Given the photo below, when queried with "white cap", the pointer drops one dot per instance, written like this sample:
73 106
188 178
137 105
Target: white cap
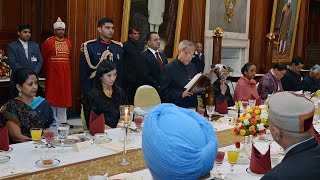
59 24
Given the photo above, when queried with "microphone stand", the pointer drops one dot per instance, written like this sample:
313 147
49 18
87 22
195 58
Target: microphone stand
235 96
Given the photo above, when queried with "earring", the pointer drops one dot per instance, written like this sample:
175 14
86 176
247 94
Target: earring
19 94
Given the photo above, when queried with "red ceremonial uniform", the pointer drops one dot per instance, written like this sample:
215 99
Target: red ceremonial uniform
56 59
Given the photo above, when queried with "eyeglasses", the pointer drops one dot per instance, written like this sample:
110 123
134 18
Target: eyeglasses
189 54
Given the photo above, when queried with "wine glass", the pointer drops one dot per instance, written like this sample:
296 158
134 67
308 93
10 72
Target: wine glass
63 132
138 119
219 160
36 136
210 111
48 136
232 159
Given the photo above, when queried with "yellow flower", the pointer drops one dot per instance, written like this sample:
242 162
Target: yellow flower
257 111
242 132
237 105
264 121
242 118
251 128
258 117
250 110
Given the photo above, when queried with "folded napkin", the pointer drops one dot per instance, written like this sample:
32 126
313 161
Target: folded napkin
221 106
127 176
316 134
4 139
96 123
260 164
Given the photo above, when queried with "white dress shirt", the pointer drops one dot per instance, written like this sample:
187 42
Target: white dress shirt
25 47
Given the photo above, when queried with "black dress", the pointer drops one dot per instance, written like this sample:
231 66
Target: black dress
95 100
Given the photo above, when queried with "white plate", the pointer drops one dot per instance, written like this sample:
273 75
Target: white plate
252 173
55 163
10 149
4 159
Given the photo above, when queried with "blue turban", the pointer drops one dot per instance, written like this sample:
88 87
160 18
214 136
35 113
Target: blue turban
178 143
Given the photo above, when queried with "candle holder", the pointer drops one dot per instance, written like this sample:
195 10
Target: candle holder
127 112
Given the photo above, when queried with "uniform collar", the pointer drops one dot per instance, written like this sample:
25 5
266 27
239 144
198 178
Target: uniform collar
105 42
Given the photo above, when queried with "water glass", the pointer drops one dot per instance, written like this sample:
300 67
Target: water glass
63 132
48 136
244 105
138 119
210 111
252 103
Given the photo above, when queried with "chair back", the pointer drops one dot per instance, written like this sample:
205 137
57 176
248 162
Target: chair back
146 96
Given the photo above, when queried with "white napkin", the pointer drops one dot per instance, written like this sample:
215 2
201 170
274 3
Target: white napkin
127 176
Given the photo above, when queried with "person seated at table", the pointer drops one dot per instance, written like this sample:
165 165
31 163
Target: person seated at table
311 82
186 145
290 121
246 86
222 96
292 78
26 111
271 82
105 97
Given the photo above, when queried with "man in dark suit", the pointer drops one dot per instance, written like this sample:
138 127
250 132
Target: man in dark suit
176 75
290 121
198 59
132 50
154 61
292 78
23 53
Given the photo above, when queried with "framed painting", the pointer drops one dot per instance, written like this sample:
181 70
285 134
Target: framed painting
162 16
284 21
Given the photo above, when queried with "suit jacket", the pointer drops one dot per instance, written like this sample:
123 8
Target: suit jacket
301 162
291 81
268 84
198 61
174 77
309 84
17 58
152 69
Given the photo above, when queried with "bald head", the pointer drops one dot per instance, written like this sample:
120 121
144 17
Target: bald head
199 47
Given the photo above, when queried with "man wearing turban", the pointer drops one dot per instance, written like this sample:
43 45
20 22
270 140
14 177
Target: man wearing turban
56 56
178 143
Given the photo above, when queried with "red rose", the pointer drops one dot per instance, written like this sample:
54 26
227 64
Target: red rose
236 130
237 145
262 131
253 133
253 115
242 126
253 121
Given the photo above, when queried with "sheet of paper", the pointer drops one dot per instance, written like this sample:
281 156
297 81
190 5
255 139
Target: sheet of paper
193 81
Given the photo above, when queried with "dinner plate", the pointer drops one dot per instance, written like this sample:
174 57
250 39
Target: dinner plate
55 163
252 173
10 149
4 159
67 142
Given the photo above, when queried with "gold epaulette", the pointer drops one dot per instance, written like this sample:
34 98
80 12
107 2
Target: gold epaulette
85 44
117 42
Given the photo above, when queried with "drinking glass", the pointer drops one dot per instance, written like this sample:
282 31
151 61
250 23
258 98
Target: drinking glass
219 160
232 159
63 132
48 136
244 105
127 112
252 103
36 136
210 111
138 119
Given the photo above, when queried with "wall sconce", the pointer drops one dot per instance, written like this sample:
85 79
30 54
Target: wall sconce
230 8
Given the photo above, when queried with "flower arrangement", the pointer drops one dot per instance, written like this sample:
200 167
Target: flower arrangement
4 67
253 121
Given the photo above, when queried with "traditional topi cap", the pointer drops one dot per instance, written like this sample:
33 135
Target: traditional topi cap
59 24
178 143
291 112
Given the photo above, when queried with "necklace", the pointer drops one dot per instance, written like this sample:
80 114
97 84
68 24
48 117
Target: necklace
108 91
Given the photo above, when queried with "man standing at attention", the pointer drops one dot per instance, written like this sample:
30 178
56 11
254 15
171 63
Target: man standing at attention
132 50
95 51
153 60
23 53
56 52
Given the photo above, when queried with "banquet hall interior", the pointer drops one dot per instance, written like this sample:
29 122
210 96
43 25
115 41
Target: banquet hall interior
273 37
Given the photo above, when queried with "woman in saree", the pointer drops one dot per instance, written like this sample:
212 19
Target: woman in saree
246 86
25 111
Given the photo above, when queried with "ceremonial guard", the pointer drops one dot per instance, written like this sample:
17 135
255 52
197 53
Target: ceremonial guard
56 55
93 52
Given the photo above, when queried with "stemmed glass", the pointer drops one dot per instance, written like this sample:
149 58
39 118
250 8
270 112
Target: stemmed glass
138 119
63 132
232 159
219 161
210 111
36 136
127 112
48 136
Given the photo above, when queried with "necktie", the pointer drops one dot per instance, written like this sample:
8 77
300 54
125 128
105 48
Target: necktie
159 60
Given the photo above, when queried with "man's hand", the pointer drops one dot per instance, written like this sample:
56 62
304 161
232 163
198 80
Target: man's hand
223 87
186 93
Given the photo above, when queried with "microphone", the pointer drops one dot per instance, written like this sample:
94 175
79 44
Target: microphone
216 71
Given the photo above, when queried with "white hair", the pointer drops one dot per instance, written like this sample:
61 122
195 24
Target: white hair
184 44
315 68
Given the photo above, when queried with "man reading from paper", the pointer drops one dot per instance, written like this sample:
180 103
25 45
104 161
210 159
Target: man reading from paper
176 75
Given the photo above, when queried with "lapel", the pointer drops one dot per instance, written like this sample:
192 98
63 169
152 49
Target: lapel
30 48
21 49
153 59
302 147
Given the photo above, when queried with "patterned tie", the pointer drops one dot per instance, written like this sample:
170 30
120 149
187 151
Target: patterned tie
159 60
